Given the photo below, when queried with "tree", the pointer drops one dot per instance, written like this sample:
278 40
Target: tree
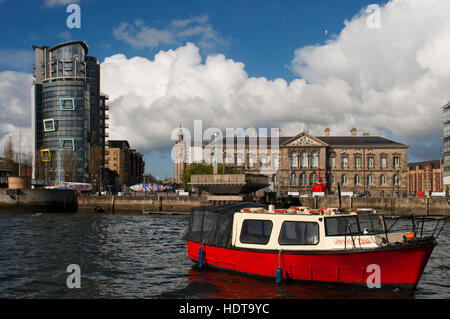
95 164
8 150
204 169
8 154
69 164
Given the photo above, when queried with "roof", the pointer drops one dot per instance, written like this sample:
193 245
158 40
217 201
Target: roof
433 163
361 141
83 44
123 144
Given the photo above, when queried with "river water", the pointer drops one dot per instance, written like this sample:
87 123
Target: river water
144 256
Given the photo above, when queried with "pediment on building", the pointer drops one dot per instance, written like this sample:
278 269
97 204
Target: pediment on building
304 139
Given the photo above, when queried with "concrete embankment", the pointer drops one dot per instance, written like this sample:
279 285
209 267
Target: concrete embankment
37 201
140 204
182 205
387 205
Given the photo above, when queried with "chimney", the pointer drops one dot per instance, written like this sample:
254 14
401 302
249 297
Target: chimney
327 131
353 132
365 134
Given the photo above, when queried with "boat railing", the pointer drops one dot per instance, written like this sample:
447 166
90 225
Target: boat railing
354 230
417 225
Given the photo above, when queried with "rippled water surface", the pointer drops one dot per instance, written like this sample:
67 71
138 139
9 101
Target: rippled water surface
144 256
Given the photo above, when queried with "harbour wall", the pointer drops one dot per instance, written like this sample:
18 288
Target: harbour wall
183 204
37 201
387 205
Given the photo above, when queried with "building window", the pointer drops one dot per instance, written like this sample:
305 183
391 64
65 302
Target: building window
67 144
303 179
45 155
357 162
312 179
293 179
251 161
49 125
383 162
370 180
304 159
293 159
299 233
396 162
345 162
330 179
67 104
370 162
314 159
344 179
331 161
263 161
382 180
357 180
396 180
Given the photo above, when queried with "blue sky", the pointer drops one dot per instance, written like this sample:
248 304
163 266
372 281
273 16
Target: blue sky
323 43
261 34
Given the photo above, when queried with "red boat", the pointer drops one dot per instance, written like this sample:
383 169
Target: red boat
303 244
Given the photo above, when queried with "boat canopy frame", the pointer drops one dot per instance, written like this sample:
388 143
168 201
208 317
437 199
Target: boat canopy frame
213 225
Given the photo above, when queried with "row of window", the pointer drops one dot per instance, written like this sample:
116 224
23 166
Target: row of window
294 179
304 160
292 233
255 231
370 162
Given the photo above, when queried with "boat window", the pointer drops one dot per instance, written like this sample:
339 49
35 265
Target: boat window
299 233
370 224
256 231
341 226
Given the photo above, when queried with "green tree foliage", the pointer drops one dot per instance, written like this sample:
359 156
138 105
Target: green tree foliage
204 169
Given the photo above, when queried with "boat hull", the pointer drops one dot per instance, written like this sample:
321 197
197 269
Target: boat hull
390 266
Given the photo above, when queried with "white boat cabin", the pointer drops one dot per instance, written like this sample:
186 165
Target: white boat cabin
301 228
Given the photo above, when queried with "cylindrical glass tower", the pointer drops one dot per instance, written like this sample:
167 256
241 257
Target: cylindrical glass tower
62 116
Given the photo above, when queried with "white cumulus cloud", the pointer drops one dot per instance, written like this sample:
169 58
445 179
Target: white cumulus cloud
389 81
141 36
15 109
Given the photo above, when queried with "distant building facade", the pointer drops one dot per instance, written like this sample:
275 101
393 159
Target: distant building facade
125 161
446 141
358 163
68 114
425 177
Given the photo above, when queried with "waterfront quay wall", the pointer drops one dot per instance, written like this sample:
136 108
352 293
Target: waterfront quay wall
141 204
183 204
37 200
386 205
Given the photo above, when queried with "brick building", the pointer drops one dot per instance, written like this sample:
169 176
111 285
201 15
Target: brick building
425 177
359 163
125 161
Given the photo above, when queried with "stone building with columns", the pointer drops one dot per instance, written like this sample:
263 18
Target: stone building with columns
359 164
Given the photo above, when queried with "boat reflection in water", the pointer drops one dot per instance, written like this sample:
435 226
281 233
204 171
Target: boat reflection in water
212 283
